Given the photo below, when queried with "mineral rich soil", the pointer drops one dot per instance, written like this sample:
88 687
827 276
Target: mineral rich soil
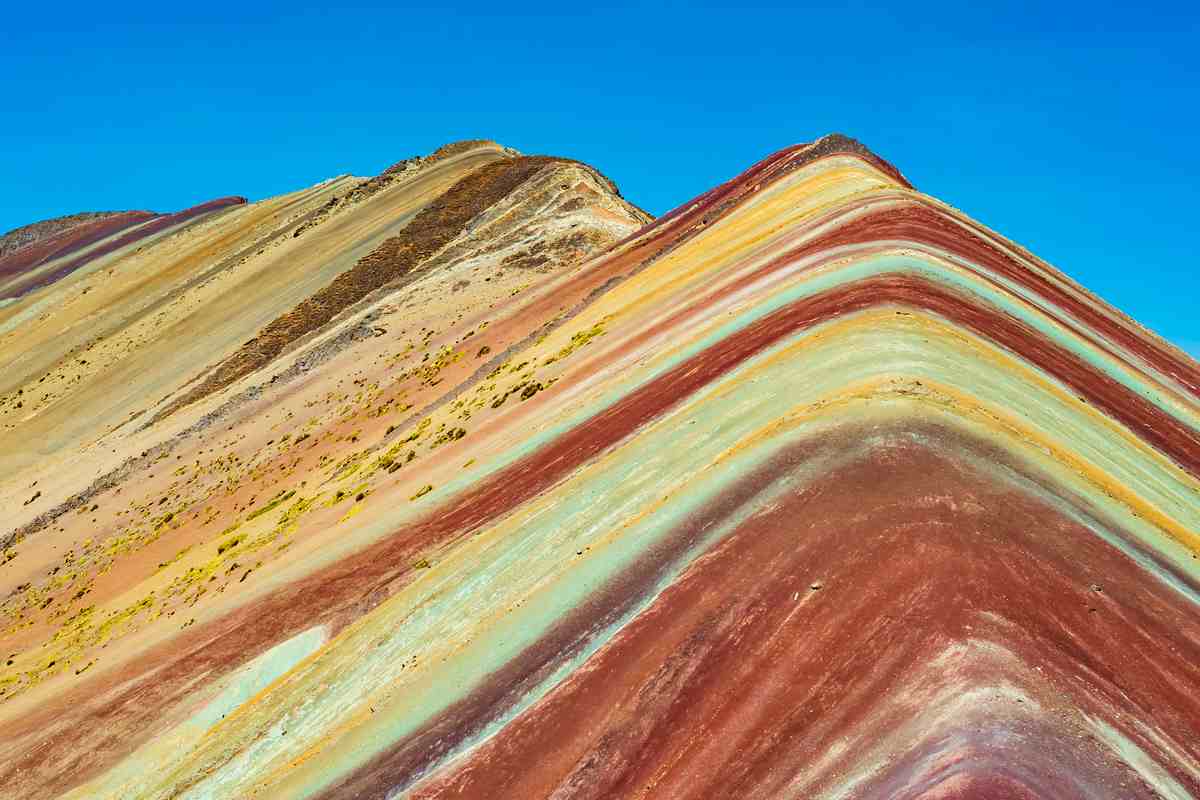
34 232
42 243
471 480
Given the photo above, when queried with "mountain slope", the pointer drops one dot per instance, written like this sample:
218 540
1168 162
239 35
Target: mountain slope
811 488
35 232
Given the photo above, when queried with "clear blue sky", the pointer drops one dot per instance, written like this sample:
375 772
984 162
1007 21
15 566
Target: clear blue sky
1071 127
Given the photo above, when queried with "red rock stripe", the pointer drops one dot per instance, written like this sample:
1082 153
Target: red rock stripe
915 221
150 228
68 242
114 725
729 686
659 237
1173 437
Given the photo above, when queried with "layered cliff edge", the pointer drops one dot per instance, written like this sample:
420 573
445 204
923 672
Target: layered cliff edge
470 480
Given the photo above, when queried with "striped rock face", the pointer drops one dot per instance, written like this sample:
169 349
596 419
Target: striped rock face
468 483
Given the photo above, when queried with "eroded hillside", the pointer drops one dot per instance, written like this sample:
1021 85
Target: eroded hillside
469 480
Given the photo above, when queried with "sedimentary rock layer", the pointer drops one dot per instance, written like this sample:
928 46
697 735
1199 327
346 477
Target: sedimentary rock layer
432 229
61 240
37 232
78 246
811 488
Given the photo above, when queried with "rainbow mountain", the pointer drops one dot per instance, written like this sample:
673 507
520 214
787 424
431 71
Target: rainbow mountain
471 480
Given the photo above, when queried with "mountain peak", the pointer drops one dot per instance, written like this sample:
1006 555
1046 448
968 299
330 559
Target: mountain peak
471 480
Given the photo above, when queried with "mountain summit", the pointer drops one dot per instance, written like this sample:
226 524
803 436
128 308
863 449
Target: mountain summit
471 480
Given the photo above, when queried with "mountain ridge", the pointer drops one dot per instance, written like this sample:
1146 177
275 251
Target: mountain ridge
812 487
